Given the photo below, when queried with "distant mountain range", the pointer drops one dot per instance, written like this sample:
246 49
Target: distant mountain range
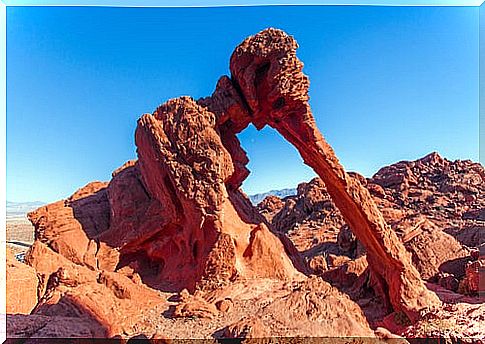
17 210
255 199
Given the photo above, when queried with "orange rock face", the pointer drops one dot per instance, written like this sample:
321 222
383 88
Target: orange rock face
67 226
433 206
270 206
113 302
21 288
212 233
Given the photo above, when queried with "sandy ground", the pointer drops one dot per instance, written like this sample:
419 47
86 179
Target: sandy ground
20 234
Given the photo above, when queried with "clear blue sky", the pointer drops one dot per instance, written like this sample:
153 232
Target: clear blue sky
387 84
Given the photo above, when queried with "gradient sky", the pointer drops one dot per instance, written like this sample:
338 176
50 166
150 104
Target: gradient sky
387 84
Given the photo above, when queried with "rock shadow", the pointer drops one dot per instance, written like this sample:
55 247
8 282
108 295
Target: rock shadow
456 266
451 297
92 212
470 236
64 322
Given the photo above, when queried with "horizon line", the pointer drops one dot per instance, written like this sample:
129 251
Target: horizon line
272 188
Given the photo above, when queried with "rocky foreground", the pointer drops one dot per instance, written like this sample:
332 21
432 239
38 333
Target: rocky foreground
172 248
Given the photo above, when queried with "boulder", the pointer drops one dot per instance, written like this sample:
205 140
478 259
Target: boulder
248 327
21 286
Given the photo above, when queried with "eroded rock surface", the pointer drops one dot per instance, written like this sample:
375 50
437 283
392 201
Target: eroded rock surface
429 206
21 286
215 233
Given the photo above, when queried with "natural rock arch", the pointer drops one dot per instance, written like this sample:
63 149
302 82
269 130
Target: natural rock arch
177 216
268 87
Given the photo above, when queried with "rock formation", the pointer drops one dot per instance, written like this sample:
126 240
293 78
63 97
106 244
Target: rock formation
270 81
474 281
176 221
21 287
112 302
432 204
209 223
308 314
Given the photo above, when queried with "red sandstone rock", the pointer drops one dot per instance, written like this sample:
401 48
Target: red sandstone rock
474 281
112 301
212 233
224 305
318 265
270 206
312 207
195 306
436 239
462 322
251 327
41 326
317 309
21 287
68 226
46 262
310 308
176 218
433 250
347 273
